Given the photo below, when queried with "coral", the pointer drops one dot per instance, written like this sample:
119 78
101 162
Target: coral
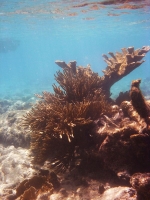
141 182
31 188
61 123
76 83
138 100
120 65
66 115
124 147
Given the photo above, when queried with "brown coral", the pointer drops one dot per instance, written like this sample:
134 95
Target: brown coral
61 122
66 115
36 185
120 65
76 83
138 100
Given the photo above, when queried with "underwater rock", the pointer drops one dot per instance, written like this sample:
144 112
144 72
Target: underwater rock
119 193
118 66
122 138
21 105
12 131
15 167
31 188
4 105
141 182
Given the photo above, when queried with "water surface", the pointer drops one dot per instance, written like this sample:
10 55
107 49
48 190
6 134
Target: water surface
35 33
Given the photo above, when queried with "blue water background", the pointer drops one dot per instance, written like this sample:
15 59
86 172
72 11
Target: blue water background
33 34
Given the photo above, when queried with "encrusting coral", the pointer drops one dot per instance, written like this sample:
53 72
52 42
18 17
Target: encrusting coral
61 123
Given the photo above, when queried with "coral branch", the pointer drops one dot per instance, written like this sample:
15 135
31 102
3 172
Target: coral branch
120 65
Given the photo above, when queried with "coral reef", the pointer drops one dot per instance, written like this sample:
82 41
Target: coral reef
78 127
61 123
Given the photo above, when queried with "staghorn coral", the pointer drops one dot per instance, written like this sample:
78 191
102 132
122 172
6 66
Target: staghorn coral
66 115
76 83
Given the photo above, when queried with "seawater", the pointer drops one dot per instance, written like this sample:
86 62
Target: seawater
35 33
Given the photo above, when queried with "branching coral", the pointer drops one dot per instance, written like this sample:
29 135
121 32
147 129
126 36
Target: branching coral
121 64
66 115
76 83
61 122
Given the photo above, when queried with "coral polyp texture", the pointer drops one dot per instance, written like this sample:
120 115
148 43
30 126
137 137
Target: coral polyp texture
62 122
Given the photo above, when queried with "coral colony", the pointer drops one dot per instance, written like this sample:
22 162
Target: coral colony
81 97
79 126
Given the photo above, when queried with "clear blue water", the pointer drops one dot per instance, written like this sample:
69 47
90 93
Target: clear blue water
35 33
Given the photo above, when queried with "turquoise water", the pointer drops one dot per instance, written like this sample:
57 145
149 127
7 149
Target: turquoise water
35 33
